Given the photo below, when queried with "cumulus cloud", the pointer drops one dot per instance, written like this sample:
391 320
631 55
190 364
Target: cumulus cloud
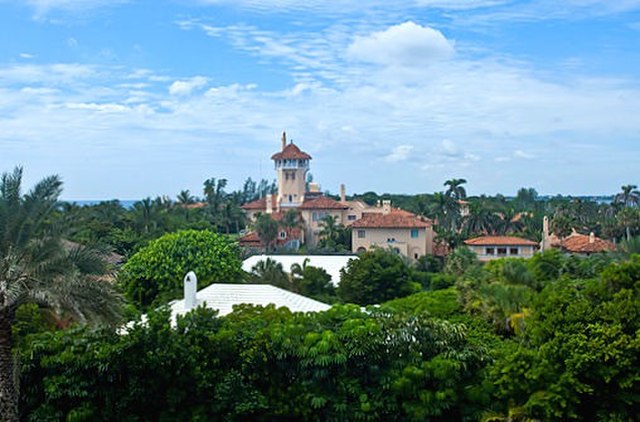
406 44
399 153
187 86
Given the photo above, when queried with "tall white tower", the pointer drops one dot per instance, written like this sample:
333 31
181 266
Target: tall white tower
292 166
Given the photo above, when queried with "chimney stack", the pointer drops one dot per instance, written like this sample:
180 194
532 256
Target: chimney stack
190 290
592 237
343 193
386 206
284 140
269 203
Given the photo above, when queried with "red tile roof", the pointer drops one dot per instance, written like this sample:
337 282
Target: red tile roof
260 204
291 152
499 241
252 239
397 218
581 243
322 203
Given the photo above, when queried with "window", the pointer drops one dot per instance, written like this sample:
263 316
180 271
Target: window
351 217
318 216
513 251
502 251
293 176
490 251
361 234
415 256
391 240
283 235
286 176
415 233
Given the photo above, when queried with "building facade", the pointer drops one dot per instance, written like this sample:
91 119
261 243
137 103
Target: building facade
488 248
383 226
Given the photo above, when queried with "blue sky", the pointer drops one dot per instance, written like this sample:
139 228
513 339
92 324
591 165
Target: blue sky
127 99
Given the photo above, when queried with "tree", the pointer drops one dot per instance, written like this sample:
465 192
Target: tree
156 271
375 277
445 210
629 196
334 236
185 197
269 271
455 189
267 229
460 260
36 268
481 220
312 281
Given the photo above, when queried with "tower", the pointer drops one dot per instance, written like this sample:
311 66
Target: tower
291 166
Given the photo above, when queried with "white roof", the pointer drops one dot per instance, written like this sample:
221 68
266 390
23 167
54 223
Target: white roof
332 264
223 296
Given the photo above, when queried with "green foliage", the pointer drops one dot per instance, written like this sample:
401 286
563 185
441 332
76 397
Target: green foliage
258 364
460 260
579 355
269 271
158 269
313 282
377 276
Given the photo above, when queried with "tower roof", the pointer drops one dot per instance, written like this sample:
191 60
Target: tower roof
291 152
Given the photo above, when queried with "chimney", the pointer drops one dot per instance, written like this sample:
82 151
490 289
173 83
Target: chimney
592 238
386 206
190 290
343 193
284 140
269 202
545 243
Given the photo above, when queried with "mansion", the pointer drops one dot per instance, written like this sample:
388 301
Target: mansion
380 225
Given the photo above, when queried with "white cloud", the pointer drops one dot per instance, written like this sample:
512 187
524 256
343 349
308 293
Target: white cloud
26 56
187 86
406 44
522 154
399 153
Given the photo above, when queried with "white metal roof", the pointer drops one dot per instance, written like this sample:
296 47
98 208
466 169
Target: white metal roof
223 296
332 264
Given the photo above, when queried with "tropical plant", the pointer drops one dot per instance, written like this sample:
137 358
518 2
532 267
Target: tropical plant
629 196
270 271
36 268
376 276
333 235
455 189
267 229
157 270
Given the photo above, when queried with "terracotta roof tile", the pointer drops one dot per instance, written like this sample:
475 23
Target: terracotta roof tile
499 241
581 243
260 204
291 152
395 219
322 203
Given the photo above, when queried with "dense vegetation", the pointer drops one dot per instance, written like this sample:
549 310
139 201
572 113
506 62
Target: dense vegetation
555 337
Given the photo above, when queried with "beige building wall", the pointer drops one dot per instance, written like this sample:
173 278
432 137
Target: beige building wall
488 253
313 222
291 184
396 238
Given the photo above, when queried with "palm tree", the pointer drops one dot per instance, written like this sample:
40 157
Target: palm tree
481 220
509 222
446 210
185 197
267 229
455 189
629 196
36 268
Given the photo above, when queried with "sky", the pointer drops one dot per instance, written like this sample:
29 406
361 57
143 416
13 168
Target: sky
128 99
